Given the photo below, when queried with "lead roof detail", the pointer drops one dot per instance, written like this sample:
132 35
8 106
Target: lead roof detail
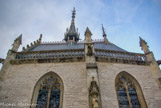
79 45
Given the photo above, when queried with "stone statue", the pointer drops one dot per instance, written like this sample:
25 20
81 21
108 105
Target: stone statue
90 52
95 101
94 94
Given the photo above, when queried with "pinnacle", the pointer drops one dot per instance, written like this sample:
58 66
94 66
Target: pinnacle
88 31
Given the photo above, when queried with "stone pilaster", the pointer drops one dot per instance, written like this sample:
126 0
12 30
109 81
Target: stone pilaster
92 72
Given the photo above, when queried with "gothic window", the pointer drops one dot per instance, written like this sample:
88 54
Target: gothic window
48 92
129 93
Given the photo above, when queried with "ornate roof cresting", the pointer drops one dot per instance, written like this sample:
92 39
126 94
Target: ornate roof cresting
32 45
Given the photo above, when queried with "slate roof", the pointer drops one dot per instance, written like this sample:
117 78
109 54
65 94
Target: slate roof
65 46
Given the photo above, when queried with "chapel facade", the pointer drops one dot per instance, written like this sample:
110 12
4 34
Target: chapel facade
79 74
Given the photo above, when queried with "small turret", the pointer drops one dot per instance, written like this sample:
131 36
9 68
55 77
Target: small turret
72 34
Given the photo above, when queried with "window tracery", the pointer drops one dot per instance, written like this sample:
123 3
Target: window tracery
129 92
48 92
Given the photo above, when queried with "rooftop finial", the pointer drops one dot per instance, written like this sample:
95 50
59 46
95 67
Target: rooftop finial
104 34
73 14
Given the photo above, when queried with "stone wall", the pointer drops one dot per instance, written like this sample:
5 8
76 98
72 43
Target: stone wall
108 73
21 79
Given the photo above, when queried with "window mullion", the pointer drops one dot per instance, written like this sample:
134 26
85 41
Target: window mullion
48 100
126 87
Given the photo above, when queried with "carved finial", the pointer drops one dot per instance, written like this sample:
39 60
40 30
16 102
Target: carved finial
37 41
73 14
104 35
31 44
34 42
28 46
103 30
23 48
144 45
40 37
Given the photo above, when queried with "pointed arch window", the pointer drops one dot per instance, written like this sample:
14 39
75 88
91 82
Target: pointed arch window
48 92
129 93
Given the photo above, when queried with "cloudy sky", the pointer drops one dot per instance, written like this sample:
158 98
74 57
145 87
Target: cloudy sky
123 20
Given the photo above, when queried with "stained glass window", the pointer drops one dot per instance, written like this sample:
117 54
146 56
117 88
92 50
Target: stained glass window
49 93
126 92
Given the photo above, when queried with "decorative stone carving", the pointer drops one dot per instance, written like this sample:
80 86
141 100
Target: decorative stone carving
35 43
95 102
17 43
94 94
144 46
90 50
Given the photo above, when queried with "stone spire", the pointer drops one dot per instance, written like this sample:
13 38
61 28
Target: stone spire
144 46
104 35
71 34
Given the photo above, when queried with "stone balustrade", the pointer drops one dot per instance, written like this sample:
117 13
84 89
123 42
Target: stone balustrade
79 55
50 54
119 55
